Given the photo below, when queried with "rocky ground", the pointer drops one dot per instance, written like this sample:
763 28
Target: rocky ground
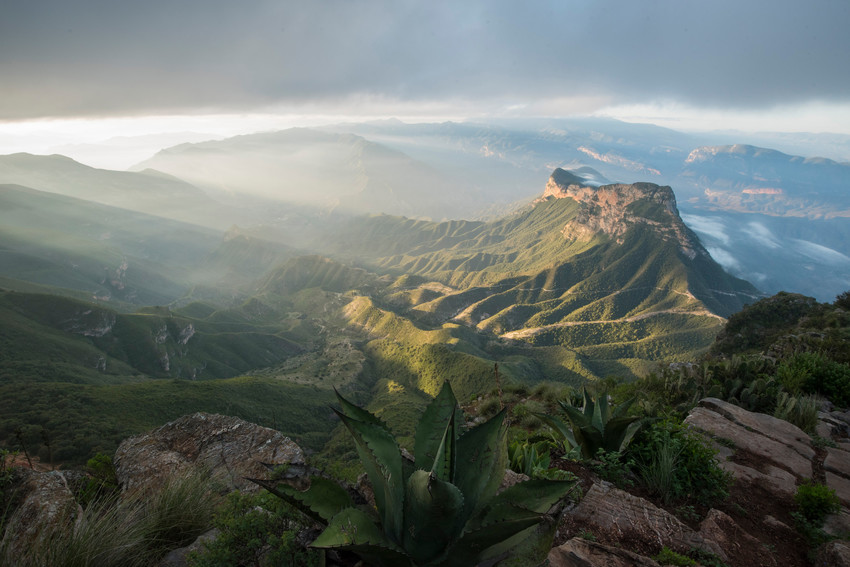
768 458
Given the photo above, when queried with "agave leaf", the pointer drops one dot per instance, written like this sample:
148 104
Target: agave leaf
620 410
436 435
433 516
587 436
359 413
353 530
444 463
528 548
561 428
631 429
600 413
616 433
481 462
487 541
323 500
381 459
536 496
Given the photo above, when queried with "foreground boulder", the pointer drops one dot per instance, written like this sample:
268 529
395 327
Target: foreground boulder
625 516
228 448
45 501
579 552
771 452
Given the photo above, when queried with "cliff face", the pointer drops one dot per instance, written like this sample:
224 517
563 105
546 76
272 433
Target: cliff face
614 209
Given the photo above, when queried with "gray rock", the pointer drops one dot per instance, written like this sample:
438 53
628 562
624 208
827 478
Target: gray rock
617 511
179 557
579 552
833 554
725 532
780 444
46 502
228 448
838 525
768 426
774 479
837 461
841 486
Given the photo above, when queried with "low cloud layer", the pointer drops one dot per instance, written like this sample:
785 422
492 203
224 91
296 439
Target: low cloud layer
101 57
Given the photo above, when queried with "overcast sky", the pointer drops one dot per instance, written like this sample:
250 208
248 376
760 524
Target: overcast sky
771 59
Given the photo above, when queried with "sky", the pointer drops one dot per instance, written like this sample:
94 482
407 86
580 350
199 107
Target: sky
78 71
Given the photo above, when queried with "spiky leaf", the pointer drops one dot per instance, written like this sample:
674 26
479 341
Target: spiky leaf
323 500
537 496
433 516
481 462
619 432
487 541
562 430
436 435
354 530
620 410
358 413
381 459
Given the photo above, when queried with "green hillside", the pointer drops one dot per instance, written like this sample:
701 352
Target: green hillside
581 285
108 252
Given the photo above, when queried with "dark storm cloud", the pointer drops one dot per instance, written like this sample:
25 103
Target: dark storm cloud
86 57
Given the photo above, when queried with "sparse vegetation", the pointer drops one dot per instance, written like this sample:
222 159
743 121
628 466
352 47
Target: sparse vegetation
134 531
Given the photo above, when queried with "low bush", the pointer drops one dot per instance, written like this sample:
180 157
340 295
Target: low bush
255 530
133 532
669 557
695 473
802 411
816 501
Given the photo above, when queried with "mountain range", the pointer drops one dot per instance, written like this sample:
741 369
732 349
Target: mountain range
586 281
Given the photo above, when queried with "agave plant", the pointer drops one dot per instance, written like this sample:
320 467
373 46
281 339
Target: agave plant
439 510
596 426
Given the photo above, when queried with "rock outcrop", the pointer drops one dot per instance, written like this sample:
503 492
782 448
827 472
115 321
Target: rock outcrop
579 552
613 209
46 501
612 510
228 448
771 452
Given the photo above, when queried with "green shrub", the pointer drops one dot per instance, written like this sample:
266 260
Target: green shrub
527 458
659 473
255 530
102 482
821 376
696 475
816 501
669 557
614 467
178 513
105 535
595 427
801 411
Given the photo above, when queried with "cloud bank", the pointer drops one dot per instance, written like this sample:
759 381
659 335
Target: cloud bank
108 57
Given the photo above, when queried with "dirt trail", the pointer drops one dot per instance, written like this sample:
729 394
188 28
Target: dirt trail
529 332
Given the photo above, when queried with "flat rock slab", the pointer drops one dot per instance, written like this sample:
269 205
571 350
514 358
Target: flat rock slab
771 427
834 554
774 479
723 530
788 454
615 510
579 552
228 448
837 461
841 486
